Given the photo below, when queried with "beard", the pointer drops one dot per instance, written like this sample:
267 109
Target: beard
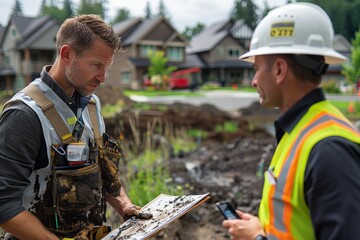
74 79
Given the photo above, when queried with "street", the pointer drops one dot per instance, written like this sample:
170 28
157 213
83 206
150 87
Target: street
222 99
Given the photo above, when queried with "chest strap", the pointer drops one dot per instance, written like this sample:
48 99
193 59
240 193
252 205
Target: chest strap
95 121
50 112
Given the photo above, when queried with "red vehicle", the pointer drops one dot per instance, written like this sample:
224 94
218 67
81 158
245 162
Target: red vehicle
181 79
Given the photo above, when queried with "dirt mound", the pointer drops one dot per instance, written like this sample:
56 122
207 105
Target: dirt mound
228 165
179 115
110 95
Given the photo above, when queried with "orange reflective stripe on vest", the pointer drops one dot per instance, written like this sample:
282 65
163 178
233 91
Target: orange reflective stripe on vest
283 210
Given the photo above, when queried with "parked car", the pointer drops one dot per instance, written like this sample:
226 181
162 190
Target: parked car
185 79
179 83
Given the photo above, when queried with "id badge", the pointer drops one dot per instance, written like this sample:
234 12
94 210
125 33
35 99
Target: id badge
78 130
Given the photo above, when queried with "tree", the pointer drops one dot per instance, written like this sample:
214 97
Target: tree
158 69
51 10
92 7
17 9
123 14
191 32
162 10
67 9
148 13
246 10
351 70
266 10
343 14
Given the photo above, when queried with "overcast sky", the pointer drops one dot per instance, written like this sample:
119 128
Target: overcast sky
182 12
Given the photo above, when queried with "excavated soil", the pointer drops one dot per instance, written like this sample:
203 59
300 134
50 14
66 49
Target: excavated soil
226 165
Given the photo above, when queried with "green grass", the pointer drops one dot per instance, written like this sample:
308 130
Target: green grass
109 110
343 106
148 176
229 127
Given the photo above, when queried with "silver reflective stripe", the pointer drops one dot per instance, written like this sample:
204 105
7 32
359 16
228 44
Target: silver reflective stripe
281 182
271 237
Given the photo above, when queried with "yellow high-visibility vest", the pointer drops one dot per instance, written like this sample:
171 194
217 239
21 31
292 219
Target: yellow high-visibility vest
283 210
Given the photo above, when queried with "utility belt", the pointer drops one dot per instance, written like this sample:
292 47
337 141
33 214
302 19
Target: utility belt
82 175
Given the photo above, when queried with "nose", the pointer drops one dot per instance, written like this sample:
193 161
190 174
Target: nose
101 76
254 82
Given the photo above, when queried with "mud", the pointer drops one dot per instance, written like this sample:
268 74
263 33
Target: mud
229 166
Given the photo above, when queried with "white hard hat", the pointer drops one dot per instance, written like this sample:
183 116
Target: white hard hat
295 28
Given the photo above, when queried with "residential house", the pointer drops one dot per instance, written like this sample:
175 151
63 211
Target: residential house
343 46
27 44
138 37
216 51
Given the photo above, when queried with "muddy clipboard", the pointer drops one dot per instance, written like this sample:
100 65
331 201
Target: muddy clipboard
165 209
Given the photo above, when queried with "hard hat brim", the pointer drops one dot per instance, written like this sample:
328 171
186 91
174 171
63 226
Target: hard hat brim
331 56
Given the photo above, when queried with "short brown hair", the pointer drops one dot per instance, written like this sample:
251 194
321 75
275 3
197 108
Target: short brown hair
81 31
300 72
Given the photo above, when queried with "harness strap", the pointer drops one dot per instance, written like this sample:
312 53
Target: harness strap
50 112
95 122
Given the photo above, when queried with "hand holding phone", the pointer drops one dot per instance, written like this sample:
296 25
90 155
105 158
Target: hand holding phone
227 210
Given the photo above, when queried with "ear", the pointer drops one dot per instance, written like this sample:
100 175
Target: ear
66 54
280 70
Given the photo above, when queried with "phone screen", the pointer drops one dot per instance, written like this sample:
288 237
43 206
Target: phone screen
227 210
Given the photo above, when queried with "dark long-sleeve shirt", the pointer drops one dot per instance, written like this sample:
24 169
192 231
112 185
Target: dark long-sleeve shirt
22 150
332 178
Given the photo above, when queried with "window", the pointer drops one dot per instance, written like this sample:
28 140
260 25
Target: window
233 52
175 53
126 77
144 50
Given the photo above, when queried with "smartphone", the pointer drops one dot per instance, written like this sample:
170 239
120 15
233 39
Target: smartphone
227 210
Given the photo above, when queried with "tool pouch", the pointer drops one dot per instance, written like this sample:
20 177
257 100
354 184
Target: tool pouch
76 191
109 165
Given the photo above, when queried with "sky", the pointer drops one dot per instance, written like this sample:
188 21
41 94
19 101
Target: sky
182 12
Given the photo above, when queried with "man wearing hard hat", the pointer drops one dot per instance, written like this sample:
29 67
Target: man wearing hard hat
312 187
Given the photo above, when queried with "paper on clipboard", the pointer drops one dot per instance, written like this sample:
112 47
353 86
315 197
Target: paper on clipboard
165 209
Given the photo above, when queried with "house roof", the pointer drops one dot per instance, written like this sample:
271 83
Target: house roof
193 60
7 70
2 30
134 30
140 62
231 64
141 30
212 35
341 44
30 28
36 30
123 28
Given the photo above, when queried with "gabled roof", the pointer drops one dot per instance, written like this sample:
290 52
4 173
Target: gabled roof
141 30
125 25
2 30
36 30
30 28
134 30
341 44
21 22
215 33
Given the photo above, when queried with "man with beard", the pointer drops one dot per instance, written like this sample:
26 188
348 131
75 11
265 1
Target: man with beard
57 165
